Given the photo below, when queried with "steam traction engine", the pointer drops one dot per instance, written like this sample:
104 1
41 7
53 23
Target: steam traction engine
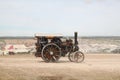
51 47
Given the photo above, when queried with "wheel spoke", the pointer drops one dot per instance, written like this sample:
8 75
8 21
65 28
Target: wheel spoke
47 50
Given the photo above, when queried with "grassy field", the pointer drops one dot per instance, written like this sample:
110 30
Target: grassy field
28 67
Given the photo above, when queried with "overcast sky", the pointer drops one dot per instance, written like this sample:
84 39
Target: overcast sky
88 17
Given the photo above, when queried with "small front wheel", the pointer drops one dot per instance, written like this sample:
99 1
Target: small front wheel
78 57
71 57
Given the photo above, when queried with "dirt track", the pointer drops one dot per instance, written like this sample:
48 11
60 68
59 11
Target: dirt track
28 67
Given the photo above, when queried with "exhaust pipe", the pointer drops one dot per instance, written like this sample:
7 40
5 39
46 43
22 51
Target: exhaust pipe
75 38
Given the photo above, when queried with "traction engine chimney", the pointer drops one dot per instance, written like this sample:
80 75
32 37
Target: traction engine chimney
75 38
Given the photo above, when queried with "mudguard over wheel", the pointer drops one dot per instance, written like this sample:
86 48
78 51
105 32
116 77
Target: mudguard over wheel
51 53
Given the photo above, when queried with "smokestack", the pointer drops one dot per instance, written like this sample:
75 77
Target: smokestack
75 38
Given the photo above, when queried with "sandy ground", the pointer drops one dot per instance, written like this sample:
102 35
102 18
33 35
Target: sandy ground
28 67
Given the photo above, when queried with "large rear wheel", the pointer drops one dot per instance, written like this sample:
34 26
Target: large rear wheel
51 53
